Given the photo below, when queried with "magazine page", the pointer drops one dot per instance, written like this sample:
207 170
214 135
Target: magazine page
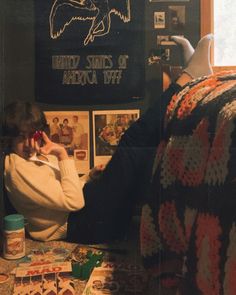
52 278
120 279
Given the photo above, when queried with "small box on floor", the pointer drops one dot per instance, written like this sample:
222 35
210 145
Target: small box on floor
83 261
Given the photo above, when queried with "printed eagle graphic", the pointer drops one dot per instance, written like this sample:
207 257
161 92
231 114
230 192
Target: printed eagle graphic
64 12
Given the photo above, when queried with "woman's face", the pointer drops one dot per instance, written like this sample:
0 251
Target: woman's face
55 120
21 145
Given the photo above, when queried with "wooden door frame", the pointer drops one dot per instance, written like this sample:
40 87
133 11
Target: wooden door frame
207 21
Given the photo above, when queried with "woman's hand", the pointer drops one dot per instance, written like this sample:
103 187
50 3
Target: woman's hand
50 148
96 172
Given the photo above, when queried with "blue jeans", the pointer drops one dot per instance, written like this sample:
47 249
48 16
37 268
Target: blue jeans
111 199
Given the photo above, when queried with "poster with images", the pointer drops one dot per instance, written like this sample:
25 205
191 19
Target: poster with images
108 127
159 20
86 51
71 129
176 18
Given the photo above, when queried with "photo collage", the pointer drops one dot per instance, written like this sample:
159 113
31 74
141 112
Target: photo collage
72 130
169 18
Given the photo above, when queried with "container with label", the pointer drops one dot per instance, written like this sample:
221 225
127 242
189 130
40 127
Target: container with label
14 236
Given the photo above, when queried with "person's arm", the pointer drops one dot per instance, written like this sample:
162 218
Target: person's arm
46 187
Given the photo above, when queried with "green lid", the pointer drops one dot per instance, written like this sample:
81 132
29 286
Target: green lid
13 222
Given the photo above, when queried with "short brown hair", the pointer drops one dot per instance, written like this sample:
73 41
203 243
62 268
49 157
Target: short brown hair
22 117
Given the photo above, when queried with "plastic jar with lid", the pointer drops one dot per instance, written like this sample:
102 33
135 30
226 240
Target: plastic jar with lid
14 236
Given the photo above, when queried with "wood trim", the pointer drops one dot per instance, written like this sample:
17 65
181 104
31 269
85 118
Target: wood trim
207 17
207 21
223 68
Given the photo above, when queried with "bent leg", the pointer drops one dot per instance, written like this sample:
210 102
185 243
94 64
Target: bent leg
109 200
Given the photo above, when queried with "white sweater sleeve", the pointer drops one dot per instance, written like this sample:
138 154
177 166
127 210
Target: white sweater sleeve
59 190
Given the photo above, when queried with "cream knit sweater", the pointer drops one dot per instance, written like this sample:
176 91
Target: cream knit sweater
44 193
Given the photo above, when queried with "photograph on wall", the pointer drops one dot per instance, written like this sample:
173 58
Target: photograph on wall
159 20
159 54
86 51
176 18
108 127
71 129
166 56
165 40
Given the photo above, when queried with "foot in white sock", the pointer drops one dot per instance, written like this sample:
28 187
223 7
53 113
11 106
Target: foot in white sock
188 49
199 65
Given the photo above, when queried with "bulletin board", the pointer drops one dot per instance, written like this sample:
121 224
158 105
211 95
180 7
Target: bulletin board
165 18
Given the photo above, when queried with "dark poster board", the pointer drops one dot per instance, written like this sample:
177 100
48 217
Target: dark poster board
89 51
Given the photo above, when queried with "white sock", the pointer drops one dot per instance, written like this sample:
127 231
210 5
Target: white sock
199 65
188 49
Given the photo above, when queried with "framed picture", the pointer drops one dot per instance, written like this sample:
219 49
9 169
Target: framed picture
108 127
159 20
71 129
176 18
